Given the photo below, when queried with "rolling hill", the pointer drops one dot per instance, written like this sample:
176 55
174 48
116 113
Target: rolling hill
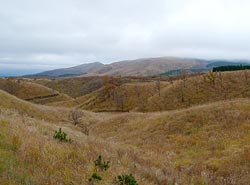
34 92
139 67
179 130
178 146
146 67
153 95
183 145
72 71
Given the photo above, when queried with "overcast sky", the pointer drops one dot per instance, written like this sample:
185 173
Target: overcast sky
37 35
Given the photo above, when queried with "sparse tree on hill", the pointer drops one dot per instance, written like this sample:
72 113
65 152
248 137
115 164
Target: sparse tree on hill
76 115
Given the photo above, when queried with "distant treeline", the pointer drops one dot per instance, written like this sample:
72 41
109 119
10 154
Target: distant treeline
231 68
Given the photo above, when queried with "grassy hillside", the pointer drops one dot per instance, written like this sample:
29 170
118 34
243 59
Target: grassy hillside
207 144
34 92
8 101
40 159
146 66
154 95
124 97
202 138
209 87
74 87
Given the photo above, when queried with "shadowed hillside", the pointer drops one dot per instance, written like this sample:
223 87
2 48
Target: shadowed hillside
73 87
27 90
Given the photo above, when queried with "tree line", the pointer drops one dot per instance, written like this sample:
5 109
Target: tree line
231 68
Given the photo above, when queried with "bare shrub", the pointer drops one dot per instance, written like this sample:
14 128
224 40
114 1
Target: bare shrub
75 116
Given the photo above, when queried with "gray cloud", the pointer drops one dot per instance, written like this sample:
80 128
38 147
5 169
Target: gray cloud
59 33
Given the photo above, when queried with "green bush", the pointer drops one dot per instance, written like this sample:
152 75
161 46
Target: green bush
61 136
99 166
95 176
125 180
102 165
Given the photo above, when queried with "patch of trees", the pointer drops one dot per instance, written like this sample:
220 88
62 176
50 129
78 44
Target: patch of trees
231 68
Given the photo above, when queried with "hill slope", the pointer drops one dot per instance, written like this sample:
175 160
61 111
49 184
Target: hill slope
72 71
27 90
147 66
211 139
167 94
8 101
139 67
205 144
210 87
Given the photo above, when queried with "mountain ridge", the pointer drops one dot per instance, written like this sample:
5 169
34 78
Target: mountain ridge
138 67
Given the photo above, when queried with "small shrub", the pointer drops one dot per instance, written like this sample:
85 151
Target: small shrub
94 178
99 165
125 180
102 165
61 136
75 116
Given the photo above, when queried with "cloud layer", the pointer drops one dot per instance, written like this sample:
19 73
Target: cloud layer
45 34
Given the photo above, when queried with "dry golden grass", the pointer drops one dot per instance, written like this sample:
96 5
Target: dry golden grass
199 90
30 154
74 87
8 101
26 89
144 96
207 144
134 96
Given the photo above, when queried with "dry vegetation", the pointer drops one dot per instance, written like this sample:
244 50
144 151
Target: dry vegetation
30 155
124 97
209 87
27 90
153 95
208 144
73 87
201 136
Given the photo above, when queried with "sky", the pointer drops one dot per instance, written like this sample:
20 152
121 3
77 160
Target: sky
38 35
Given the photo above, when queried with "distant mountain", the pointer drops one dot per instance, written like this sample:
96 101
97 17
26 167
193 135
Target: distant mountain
146 66
141 67
72 71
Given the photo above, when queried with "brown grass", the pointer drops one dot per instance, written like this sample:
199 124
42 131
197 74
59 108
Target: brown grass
200 90
26 89
204 140
206 144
